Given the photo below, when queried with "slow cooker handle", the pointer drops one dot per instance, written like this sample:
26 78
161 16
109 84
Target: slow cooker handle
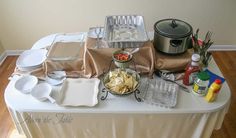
175 43
190 43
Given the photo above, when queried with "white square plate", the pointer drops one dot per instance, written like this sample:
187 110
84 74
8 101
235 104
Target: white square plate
79 92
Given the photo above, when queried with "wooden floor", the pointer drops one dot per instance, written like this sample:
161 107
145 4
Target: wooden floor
227 64
225 60
6 124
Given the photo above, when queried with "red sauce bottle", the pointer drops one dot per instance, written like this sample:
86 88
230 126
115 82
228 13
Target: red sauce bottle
191 70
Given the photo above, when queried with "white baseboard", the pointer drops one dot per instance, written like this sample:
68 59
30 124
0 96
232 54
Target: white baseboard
6 53
14 52
3 56
222 48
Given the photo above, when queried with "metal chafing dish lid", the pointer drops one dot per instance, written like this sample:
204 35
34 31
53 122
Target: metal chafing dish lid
173 28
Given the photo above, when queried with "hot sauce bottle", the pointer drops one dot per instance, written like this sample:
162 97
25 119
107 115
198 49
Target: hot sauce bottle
191 70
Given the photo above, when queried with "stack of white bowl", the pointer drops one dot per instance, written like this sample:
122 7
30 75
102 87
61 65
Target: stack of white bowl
31 59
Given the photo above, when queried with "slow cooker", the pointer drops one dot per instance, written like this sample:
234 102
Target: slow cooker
172 36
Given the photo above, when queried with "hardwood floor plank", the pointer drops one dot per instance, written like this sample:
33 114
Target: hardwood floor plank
227 64
6 124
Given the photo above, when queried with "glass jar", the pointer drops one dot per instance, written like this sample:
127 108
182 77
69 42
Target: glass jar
201 83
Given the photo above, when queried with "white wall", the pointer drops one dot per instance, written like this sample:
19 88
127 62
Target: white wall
1 49
23 22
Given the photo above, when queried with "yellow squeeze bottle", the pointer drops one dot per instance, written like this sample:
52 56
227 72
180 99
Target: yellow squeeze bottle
213 91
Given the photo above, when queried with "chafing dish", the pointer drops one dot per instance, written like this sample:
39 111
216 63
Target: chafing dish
125 31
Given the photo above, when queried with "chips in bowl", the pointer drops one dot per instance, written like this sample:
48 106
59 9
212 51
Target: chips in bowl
121 81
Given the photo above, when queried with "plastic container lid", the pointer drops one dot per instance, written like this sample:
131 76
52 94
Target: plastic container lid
173 28
196 57
203 76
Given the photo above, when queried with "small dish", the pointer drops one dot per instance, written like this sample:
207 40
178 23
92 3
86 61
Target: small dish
42 92
120 62
58 75
54 82
26 83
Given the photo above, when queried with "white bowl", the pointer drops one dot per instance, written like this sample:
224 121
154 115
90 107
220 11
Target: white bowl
26 83
41 91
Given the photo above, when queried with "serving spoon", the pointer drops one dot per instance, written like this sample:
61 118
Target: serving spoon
134 51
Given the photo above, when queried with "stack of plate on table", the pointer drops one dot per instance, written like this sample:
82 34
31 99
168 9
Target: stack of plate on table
31 59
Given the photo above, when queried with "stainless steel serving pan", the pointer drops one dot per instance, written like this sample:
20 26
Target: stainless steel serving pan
125 31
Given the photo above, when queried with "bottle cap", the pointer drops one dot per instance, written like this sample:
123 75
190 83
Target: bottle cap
218 81
196 57
203 76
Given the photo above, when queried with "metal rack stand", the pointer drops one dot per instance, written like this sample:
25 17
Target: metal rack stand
136 92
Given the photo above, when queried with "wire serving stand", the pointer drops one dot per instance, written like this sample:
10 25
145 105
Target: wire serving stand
136 92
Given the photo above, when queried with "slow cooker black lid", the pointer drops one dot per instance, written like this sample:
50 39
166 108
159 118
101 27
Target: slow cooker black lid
173 28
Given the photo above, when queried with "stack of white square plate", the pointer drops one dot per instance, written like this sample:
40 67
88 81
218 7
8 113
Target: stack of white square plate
31 59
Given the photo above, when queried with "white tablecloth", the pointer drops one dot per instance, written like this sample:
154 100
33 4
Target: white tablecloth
119 117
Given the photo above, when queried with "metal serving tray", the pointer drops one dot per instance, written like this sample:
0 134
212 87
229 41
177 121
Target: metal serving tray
125 31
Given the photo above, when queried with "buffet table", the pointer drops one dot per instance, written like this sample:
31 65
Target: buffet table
121 117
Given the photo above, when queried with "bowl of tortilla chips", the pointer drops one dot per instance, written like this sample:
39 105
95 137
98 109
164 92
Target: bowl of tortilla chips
121 81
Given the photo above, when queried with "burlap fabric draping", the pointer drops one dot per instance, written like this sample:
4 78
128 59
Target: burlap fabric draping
94 61
174 63
97 60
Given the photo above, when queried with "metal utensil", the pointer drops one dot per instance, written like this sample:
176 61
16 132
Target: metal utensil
134 51
58 75
61 75
180 85
98 32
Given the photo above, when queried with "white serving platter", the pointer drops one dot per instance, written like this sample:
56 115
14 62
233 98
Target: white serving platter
79 92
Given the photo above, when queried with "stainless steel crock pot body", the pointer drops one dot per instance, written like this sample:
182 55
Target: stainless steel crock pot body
172 36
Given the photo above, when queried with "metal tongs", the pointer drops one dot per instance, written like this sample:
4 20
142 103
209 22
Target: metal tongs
162 75
180 85
98 31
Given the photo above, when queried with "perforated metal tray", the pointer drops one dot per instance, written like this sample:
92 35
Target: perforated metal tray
125 31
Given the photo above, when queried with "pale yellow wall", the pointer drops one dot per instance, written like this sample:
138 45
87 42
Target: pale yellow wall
1 48
23 22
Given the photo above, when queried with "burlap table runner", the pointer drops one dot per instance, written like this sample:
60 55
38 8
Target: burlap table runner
173 63
97 60
94 61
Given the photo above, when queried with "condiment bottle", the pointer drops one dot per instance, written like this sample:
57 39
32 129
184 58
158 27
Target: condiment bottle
201 83
191 70
213 90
